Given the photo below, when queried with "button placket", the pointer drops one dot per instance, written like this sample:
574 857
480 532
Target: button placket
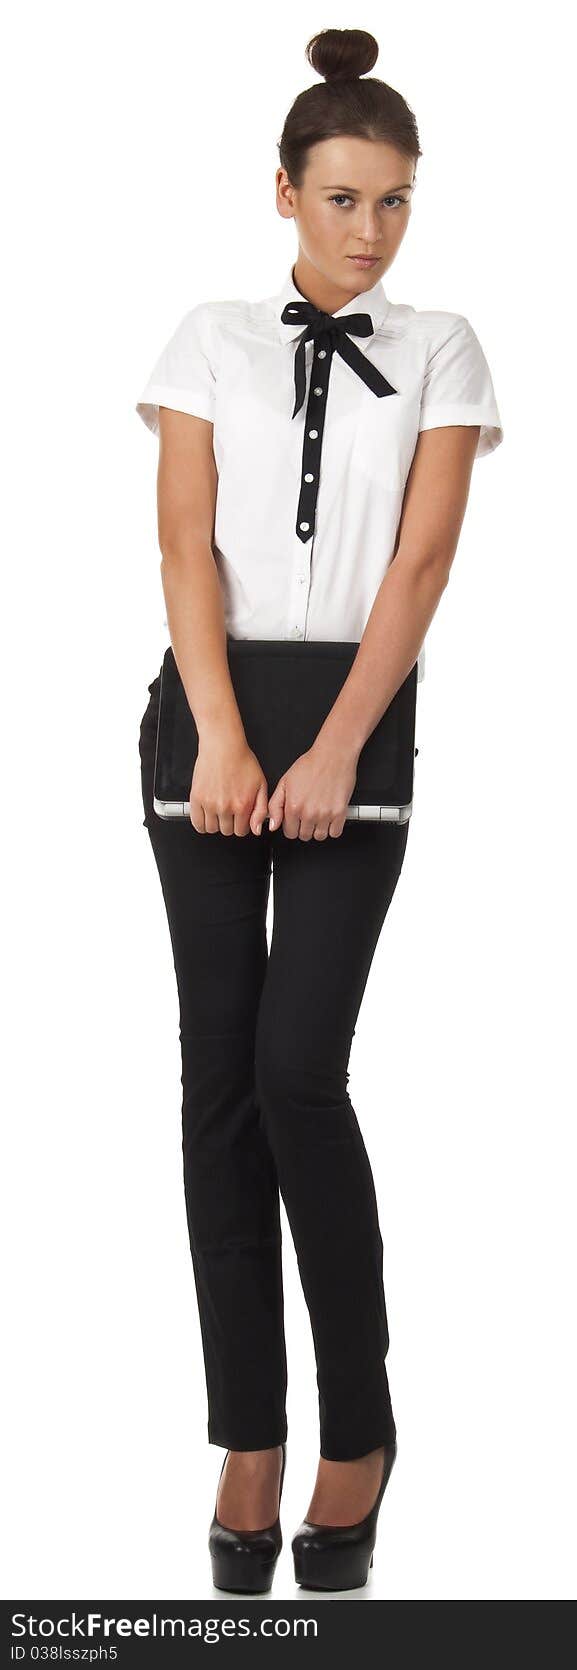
312 444
301 571
297 600
299 597
313 433
329 335
300 588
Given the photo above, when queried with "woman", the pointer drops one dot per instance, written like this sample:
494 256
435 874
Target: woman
261 541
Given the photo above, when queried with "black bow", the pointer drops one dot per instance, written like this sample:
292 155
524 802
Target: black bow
332 334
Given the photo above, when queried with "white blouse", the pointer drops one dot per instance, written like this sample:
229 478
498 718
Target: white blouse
311 484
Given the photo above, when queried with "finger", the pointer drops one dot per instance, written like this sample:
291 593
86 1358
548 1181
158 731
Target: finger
242 821
196 813
260 809
210 820
276 807
225 823
291 824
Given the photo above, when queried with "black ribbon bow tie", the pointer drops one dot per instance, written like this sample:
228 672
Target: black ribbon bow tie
332 334
329 335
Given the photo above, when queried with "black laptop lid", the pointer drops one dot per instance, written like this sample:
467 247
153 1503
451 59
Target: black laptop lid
284 690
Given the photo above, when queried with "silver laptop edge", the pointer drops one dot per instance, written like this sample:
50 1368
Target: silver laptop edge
355 814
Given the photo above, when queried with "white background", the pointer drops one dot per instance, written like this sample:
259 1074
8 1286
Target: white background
142 147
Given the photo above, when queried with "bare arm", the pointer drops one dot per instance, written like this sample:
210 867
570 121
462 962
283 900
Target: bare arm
186 493
228 787
433 510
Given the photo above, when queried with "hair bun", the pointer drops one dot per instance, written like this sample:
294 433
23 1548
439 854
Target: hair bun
342 54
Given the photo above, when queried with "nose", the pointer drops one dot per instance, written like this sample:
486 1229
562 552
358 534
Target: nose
369 234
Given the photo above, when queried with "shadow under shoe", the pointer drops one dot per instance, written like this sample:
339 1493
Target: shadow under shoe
244 1561
339 1556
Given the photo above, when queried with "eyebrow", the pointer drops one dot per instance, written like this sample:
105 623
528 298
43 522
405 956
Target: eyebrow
352 190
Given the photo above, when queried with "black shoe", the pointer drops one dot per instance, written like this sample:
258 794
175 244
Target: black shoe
339 1556
244 1561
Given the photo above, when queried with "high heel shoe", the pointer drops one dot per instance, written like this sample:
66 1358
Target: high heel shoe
339 1556
244 1561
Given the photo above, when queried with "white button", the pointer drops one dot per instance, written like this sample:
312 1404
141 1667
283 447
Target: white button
309 477
302 578
305 526
322 353
318 391
313 434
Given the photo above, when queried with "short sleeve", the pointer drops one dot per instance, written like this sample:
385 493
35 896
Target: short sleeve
458 387
184 375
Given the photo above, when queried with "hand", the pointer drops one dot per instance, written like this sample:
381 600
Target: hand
312 797
229 791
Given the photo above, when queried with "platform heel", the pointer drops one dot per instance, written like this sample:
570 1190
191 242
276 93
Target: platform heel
340 1556
244 1561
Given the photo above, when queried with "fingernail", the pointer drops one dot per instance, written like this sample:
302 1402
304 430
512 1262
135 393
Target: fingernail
258 828
271 823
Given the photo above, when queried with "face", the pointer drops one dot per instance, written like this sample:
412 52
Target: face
355 200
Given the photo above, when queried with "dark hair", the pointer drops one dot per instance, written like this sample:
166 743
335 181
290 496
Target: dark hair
345 105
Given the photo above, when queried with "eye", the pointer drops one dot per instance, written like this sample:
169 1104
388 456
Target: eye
340 197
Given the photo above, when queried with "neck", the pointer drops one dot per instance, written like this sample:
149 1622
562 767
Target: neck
329 297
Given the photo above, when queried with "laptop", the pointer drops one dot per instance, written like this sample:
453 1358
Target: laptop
284 691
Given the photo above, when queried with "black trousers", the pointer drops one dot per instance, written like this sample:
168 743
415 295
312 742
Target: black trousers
265 1044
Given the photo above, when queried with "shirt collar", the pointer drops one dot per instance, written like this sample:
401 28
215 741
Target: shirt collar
373 301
